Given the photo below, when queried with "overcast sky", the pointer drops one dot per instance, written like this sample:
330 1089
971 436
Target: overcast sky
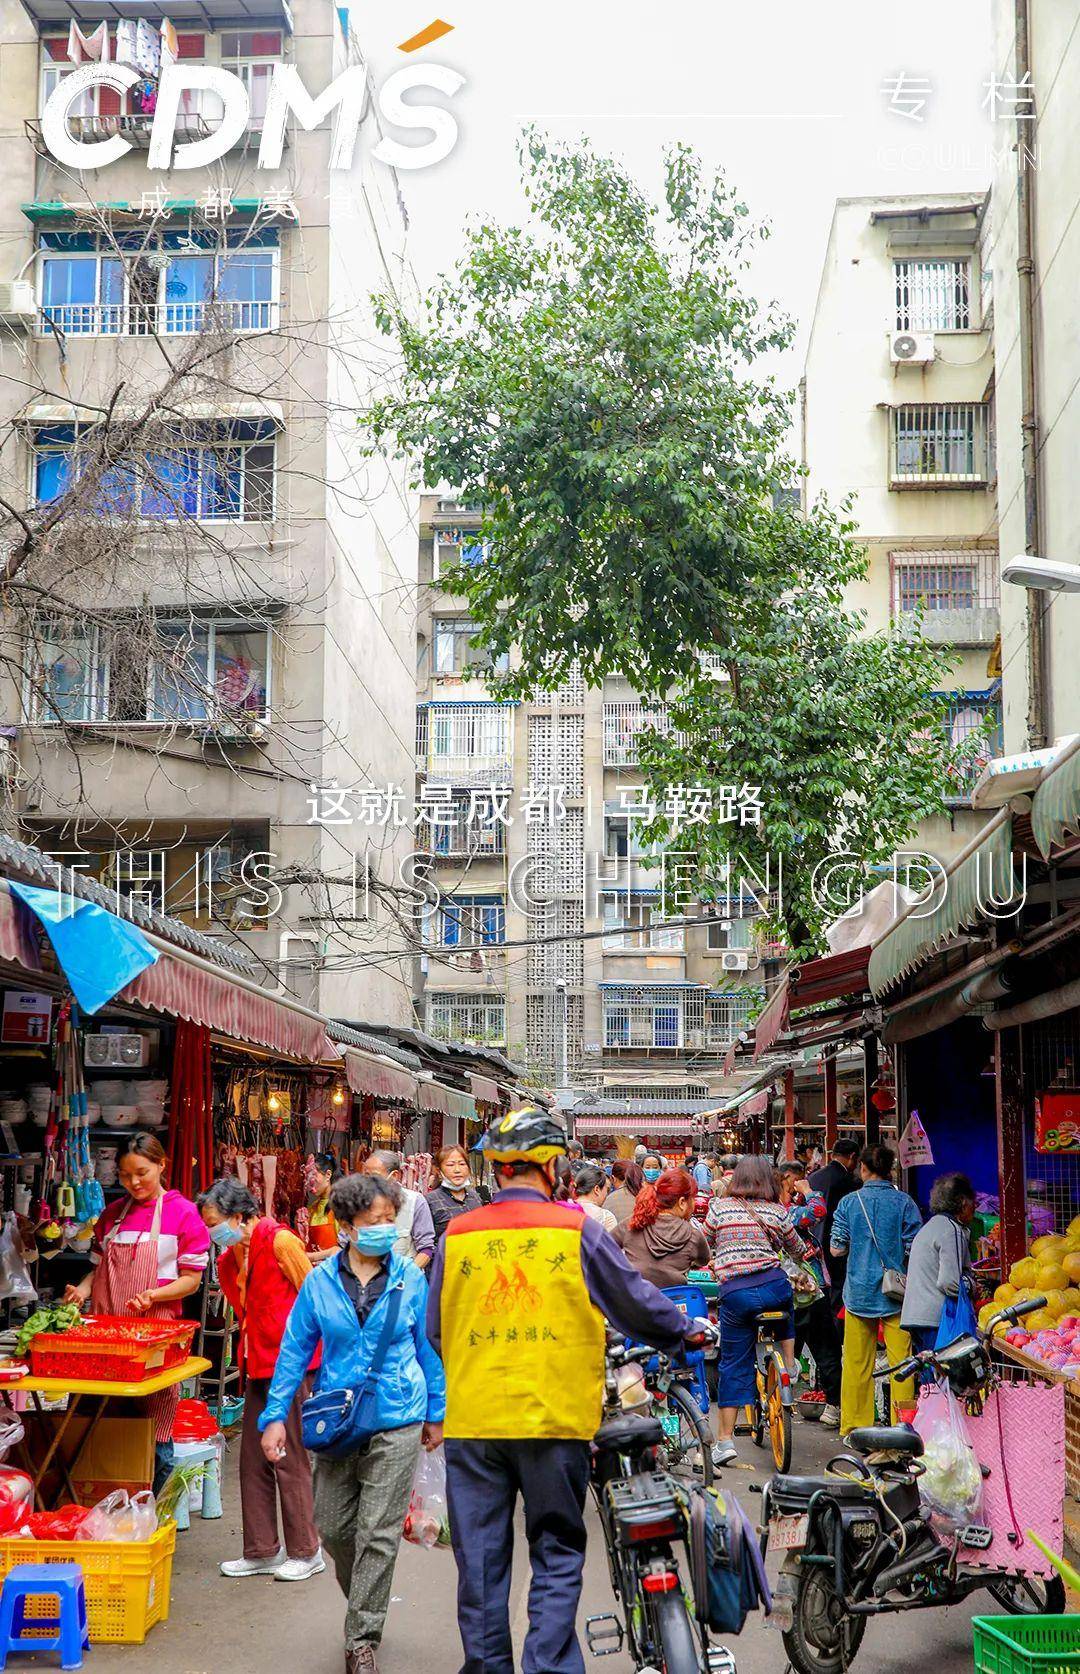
787 97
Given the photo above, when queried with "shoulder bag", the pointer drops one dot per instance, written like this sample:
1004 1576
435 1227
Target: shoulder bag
800 1275
893 1281
337 1422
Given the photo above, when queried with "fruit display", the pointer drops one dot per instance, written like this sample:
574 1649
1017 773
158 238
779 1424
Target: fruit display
1051 1269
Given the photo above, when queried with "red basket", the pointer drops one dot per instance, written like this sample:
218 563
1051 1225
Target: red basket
111 1349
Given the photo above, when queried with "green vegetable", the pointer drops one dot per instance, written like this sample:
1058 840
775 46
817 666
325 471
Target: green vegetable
60 1317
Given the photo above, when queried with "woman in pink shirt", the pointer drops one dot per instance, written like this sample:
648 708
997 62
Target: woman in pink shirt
150 1250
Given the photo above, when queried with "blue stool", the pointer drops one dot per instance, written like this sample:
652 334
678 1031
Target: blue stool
63 1582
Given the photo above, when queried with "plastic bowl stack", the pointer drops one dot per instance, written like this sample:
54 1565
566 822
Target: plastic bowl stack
120 1115
150 1101
38 1100
93 1112
105 1166
110 1092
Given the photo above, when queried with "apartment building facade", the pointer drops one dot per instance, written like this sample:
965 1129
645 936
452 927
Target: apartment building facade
1036 327
552 937
897 410
277 566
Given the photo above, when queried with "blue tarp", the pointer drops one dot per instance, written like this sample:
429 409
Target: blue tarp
99 953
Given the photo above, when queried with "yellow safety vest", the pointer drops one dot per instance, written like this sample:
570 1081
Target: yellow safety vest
522 1342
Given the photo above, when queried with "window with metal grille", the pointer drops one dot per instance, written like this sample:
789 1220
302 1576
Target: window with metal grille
972 723
944 442
624 724
456 649
932 293
470 740
467 921
640 1093
227 476
475 1019
643 1017
636 926
471 827
934 581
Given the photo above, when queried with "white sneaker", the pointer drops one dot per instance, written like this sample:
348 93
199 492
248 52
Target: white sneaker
830 1418
253 1566
724 1452
300 1569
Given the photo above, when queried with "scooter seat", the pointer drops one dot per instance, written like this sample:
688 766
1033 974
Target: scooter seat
886 1438
800 1488
629 1433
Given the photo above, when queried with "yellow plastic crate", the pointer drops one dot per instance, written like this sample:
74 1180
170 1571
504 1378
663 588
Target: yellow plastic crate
127 1582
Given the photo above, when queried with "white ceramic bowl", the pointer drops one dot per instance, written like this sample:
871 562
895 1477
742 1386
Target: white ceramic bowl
150 1116
109 1092
120 1115
150 1091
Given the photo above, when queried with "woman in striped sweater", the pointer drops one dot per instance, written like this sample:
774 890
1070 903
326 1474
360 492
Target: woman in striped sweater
749 1229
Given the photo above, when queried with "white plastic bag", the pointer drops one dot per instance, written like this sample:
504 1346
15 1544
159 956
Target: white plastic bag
15 1284
121 1517
951 1484
11 1432
427 1522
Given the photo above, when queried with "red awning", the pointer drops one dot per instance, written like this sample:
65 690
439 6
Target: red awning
18 938
485 1090
772 1021
833 977
200 995
381 1081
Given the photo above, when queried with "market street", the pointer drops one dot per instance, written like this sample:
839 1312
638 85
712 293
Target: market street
264 1624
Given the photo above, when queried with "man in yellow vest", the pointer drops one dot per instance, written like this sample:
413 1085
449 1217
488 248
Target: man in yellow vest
519 1294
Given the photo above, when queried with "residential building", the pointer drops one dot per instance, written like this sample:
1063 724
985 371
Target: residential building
236 624
1035 326
896 407
552 937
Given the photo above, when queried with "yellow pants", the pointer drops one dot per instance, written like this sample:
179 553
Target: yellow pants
860 1351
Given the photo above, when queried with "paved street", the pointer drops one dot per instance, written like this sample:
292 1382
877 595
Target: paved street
265 1625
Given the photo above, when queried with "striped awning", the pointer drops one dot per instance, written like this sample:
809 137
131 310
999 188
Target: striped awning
201 995
1055 807
484 1089
18 937
981 875
447 1101
633 1126
371 1077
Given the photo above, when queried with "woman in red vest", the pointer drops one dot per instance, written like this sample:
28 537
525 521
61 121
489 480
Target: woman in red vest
261 1266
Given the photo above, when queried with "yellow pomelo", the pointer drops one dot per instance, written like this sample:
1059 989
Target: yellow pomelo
1023 1272
1004 1294
1041 1320
1050 1276
1071 1264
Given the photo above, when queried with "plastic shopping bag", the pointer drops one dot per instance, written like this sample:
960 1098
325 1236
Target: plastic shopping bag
427 1522
16 1498
951 1484
121 1517
15 1283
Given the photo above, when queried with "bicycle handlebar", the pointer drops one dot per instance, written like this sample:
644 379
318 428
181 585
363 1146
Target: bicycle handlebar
914 1363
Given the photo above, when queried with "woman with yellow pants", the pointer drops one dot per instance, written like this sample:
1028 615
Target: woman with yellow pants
875 1228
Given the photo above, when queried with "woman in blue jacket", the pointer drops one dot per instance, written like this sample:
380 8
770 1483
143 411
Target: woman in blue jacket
361 1500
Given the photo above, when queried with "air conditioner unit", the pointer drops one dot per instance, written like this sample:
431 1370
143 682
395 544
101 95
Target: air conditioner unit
116 1051
17 300
911 348
736 959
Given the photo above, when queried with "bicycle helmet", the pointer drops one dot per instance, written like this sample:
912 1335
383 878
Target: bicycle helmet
526 1136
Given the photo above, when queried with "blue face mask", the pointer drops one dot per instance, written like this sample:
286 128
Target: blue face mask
651 1174
225 1234
372 1240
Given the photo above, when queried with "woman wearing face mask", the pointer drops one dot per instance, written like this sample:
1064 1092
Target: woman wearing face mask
652 1168
320 1172
150 1250
361 1499
661 1238
261 1267
455 1194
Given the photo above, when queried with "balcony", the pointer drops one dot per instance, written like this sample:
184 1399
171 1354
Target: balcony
166 319
958 594
939 445
972 720
674 1017
466 743
470 1018
624 724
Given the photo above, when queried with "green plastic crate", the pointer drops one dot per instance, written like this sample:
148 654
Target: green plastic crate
1027 1644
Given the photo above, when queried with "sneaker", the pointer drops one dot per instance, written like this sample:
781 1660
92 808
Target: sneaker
361 1660
724 1452
300 1569
830 1418
253 1566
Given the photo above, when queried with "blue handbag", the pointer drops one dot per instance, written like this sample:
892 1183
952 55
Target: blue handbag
958 1317
337 1422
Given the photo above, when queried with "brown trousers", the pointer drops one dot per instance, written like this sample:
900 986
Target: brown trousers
263 1484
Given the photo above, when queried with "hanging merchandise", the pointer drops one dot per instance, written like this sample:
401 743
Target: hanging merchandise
170 46
95 45
914 1145
191 1137
125 42
147 48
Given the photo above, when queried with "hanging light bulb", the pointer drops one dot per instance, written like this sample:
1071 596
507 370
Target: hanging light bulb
273 1102
338 1095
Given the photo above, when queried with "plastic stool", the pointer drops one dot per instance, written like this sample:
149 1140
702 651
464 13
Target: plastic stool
63 1582
207 1497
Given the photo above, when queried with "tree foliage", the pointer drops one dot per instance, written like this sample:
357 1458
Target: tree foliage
593 381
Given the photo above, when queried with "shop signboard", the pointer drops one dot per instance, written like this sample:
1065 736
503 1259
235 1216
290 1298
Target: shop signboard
1057 1121
26 1018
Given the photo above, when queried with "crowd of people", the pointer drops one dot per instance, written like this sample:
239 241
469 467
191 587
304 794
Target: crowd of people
472 1317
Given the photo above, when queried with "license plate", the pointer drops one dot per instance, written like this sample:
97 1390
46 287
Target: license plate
669 1423
787 1533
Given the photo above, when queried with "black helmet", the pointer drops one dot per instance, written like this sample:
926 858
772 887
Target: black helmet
529 1136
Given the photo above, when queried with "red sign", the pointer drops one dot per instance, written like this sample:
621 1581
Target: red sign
435 1131
1057 1121
27 1018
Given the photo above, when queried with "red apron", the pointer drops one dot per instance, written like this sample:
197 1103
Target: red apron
124 1271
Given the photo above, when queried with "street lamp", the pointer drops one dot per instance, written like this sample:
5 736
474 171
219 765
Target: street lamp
1046 574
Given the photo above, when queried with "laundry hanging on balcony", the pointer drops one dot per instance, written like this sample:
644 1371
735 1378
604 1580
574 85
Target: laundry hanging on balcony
98 952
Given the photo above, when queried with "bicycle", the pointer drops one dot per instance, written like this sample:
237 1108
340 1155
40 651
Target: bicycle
770 1412
643 1516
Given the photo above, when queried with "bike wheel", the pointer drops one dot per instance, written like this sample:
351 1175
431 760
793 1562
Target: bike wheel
823 1638
1030 1595
778 1414
689 1452
675 1637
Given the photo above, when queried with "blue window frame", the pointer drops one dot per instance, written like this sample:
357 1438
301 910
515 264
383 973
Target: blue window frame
468 920
168 286
226 478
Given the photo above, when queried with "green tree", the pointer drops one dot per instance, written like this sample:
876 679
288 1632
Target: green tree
593 381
